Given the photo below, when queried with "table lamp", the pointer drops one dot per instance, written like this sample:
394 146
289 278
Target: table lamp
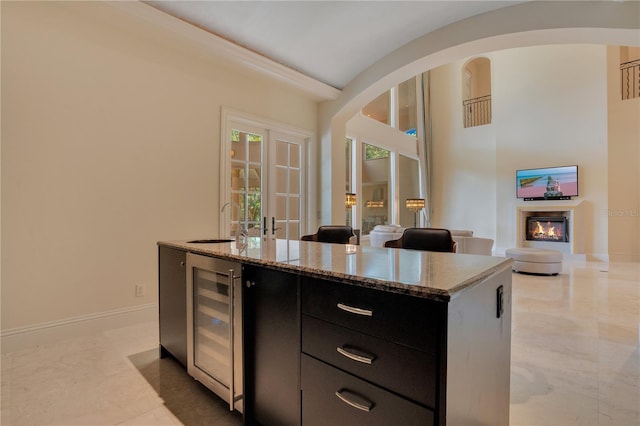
415 204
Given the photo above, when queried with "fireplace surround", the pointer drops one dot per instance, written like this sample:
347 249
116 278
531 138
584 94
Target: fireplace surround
571 214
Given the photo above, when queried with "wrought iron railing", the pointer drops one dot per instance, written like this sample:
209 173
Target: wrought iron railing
630 79
477 111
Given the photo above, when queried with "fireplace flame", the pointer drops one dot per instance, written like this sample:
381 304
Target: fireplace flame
545 231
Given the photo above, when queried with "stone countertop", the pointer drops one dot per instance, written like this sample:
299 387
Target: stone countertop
431 275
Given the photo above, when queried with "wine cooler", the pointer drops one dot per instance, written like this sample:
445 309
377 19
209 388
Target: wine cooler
214 326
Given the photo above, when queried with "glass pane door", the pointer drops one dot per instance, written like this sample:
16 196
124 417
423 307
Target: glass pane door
246 180
287 188
266 185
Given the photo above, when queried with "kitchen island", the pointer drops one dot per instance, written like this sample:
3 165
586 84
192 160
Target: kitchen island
338 334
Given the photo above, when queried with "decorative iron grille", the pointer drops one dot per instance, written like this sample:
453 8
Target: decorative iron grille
477 111
630 79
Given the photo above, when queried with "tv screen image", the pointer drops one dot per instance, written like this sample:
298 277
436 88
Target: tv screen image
547 182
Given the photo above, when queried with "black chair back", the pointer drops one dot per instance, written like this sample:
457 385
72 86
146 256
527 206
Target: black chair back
428 239
337 234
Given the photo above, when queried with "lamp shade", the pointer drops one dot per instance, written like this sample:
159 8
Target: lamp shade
415 203
350 199
372 204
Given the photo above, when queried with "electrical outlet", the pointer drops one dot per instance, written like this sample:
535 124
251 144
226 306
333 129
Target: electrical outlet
139 290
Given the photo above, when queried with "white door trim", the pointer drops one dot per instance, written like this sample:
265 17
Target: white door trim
229 115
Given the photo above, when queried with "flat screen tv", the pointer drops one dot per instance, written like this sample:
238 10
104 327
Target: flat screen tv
547 183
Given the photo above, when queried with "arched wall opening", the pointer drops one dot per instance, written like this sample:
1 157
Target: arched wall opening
567 26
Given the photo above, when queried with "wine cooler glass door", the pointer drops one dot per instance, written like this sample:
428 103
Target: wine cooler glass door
214 340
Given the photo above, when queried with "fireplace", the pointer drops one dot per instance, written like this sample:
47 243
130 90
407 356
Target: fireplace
547 228
573 227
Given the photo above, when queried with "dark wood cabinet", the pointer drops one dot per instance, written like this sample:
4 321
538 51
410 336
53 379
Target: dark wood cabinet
172 300
406 320
271 347
405 371
381 348
319 351
333 397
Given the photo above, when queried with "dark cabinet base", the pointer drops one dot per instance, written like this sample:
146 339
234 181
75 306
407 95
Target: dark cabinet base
321 404
319 352
271 347
172 303
390 362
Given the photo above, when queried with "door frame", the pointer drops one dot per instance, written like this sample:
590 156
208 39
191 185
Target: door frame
229 115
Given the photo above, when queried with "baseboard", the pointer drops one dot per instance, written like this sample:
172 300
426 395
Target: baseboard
30 336
598 257
575 257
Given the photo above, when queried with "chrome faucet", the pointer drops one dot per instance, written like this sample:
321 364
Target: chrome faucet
244 232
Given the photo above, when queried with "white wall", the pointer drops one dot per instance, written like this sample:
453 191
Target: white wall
549 108
464 161
110 142
624 163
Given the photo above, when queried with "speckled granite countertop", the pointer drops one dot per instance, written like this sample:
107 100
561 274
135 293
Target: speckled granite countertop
439 276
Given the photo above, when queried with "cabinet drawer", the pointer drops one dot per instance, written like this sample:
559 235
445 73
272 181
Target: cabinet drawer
321 405
403 370
402 319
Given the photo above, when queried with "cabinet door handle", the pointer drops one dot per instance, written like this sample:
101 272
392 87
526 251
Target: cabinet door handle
349 399
354 310
350 353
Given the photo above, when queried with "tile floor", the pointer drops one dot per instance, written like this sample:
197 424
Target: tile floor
575 361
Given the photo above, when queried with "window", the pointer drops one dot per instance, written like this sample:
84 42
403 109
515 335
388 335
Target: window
476 89
379 108
374 153
349 186
386 168
407 107
396 107
348 161
376 178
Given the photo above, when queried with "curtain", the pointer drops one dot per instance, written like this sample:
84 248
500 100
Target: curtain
426 152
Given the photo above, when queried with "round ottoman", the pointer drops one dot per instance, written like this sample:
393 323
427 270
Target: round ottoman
384 233
535 261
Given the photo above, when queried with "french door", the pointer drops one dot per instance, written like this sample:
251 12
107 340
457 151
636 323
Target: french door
264 187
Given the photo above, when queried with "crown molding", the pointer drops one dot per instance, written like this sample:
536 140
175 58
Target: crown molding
230 51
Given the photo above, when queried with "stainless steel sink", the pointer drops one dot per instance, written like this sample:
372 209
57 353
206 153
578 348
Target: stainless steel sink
212 241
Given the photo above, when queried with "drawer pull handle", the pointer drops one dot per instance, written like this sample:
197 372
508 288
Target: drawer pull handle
349 399
360 357
354 310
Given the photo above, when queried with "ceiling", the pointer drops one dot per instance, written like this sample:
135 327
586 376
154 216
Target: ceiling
330 41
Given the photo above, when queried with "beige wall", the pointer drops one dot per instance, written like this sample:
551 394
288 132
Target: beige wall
549 109
464 160
480 71
110 142
623 156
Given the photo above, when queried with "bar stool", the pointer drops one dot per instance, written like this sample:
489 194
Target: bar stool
337 234
428 239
